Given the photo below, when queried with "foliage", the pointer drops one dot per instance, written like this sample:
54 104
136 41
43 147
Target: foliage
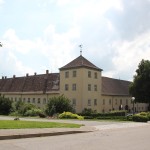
58 105
69 115
140 88
140 118
5 105
33 112
25 107
11 124
87 112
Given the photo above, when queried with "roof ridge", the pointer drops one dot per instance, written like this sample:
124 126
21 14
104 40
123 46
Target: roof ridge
80 62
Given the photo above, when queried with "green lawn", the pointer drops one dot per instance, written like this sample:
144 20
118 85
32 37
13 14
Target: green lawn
13 124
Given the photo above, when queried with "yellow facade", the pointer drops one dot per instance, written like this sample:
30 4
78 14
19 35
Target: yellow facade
82 84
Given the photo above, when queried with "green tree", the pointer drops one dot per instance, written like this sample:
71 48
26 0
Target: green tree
0 44
140 88
58 105
5 105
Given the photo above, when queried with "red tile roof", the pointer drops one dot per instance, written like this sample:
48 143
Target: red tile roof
80 62
37 83
115 87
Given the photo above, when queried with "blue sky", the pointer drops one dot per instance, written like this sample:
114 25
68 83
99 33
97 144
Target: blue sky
39 35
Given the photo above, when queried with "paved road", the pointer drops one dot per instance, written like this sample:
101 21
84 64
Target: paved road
136 138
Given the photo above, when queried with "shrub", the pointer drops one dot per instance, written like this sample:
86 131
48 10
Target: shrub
42 115
33 112
5 106
140 118
58 105
69 115
143 113
87 112
88 117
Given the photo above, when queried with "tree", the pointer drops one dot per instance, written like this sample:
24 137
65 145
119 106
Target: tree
1 44
5 105
58 105
140 88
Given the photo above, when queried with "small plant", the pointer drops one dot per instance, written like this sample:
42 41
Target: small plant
69 115
140 118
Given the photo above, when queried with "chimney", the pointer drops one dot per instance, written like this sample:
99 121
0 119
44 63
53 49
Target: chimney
14 76
5 77
47 71
27 75
2 77
35 73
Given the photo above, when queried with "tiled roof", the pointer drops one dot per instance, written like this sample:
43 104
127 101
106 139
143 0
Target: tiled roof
37 83
80 62
115 87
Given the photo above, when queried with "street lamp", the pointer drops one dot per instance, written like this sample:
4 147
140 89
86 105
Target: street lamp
133 99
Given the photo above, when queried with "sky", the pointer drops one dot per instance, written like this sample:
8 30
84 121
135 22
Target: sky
40 35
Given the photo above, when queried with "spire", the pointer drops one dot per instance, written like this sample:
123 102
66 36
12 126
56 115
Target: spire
80 49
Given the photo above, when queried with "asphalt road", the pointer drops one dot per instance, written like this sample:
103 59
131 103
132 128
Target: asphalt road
131 138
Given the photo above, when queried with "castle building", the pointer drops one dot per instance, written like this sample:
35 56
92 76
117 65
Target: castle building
80 81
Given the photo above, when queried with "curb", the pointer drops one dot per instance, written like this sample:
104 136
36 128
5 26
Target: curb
20 136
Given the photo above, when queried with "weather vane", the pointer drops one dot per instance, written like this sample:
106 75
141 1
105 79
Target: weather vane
80 49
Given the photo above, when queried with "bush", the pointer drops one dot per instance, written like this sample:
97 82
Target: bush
69 115
33 112
140 118
87 112
58 105
143 113
23 110
42 115
5 106
88 117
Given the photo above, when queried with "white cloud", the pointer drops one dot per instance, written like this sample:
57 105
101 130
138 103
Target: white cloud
16 44
130 53
1 2
53 46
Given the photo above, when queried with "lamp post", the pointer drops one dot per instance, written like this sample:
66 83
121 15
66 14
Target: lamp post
133 99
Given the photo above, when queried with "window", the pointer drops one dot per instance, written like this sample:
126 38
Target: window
66 87
74 73
15 99
89 74
120 101
116 101
44 100
95 87
67 74
95 102
24 99
95 75
126 101
103 101
74 102
20 99
11 98
89 87
28 100
73 87
39 100
89 102
33 100
110 102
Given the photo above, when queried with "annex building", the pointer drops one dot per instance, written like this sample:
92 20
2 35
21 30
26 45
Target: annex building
80 81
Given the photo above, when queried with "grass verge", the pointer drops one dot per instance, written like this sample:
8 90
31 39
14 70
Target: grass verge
13 124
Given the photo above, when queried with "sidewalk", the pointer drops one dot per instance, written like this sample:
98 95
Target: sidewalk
29 133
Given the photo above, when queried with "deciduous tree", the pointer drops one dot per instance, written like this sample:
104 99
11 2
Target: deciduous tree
140 88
